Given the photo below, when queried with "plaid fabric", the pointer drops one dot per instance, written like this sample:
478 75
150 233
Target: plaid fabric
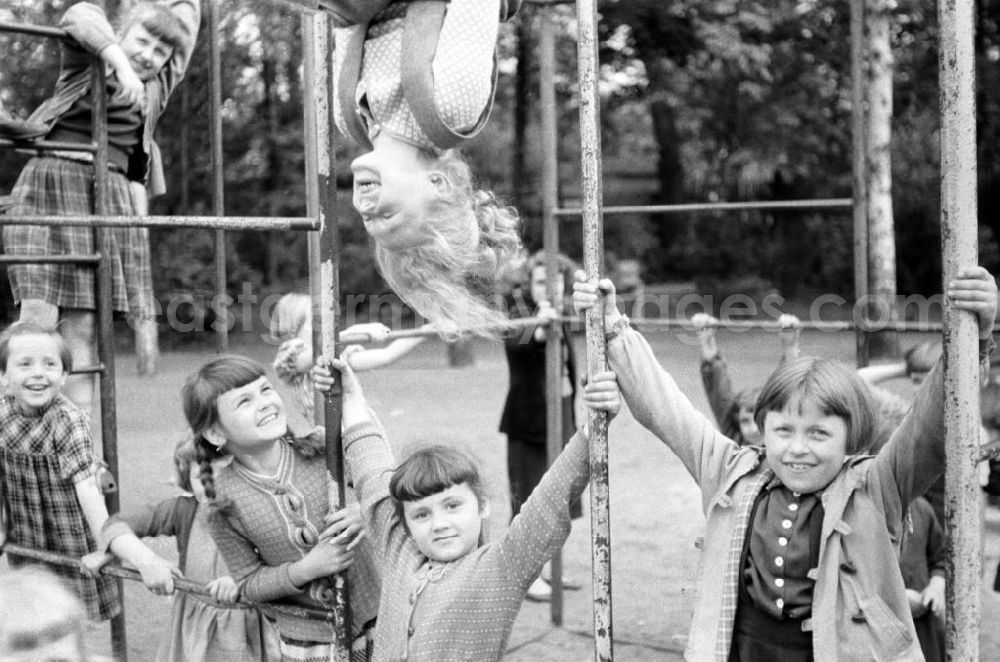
41 459
293 650
730 589
50 186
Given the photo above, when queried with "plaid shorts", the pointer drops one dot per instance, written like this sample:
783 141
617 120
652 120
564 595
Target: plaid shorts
56 186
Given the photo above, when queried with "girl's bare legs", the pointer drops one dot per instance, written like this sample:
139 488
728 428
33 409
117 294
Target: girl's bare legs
78 328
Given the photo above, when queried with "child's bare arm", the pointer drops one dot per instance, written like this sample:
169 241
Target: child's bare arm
714 372
95 512
157 573
873 374
371 359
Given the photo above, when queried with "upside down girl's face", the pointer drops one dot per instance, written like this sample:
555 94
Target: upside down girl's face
804 446
393 189
251 417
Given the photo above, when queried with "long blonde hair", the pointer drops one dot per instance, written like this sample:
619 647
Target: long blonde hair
452 280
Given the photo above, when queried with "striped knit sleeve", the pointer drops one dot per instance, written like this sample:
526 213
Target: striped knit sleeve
463 63
258 582
370 460
543 524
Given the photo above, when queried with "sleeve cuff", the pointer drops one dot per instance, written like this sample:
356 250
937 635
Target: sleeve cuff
369 428
618 328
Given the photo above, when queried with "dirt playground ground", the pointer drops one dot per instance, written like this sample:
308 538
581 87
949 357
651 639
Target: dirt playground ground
655 509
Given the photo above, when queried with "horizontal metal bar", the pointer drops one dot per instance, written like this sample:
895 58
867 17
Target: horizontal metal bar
48 145
212 222
93 258
771 325
181 584
88 370
828 203
37 30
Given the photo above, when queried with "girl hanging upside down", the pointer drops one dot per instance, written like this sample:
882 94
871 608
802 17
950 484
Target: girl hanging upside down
413 83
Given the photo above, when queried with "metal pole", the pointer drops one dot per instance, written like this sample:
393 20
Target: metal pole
959 226
312 179
329 286
593 252
105 326
218 174
550 237
859 168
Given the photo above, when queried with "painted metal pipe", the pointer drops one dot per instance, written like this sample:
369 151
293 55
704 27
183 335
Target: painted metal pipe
40 146
550 236
90 258
770 325
105 325
218 170
37 30
210 222
959 226
593 253
831 203
329 289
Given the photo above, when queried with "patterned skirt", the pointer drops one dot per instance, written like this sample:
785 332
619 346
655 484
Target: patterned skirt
293 650
55 186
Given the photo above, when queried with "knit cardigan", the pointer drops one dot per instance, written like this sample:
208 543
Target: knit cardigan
461 611
860 611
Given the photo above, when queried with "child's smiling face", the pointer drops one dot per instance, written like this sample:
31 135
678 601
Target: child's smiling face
251 417
805 447
34 373
446 526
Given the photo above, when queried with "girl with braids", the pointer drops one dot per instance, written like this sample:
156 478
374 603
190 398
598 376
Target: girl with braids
219 631
268 507
413 83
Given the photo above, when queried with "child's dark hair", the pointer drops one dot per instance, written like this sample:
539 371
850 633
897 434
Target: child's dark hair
31 328
158 21
433 469
200 396
185 457
834 389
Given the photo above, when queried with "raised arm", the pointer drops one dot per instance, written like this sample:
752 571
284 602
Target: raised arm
714 372
654 398
188 12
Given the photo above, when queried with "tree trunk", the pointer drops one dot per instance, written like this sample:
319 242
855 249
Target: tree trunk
670 173
884 345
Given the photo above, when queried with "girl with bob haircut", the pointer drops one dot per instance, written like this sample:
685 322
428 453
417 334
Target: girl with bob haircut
441 242
445 594
801 551
268 507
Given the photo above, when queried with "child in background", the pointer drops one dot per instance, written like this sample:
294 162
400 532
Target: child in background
291 322
734 410
40 619
788 575
268 508
199 629
48 465
145 62
922 561
440 242
525 410
447 596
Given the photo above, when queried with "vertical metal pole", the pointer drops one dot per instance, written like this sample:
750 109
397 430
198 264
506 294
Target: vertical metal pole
859 169
959 224
218 174
105 327
329 286
593 252
550 229
311 141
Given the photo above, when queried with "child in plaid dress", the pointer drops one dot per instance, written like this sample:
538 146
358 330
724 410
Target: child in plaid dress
801 552
440 242
268 508
146 62
48 463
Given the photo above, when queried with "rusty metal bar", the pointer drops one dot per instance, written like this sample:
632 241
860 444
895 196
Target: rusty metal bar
180 584
47 145
593 253
859 168
771 325
105 323
37 30
218 171
550 236
959 230
90 258
211 222
830 203
329 287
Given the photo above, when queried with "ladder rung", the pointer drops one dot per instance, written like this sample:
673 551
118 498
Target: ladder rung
45 145
88 370
91 258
